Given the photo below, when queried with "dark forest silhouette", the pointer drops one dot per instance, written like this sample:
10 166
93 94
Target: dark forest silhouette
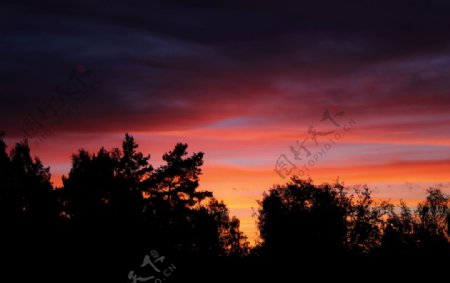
327 220
114 202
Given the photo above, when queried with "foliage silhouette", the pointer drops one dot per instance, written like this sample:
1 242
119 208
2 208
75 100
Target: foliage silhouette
301 218
114 206
26 194
327 220
119 190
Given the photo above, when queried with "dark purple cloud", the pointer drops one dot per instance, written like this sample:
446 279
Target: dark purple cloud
174 65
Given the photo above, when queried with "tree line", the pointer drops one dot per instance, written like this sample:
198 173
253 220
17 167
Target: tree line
118 191
114 200
331 220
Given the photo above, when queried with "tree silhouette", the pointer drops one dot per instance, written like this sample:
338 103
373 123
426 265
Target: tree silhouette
432 226
398 237
364 221
88 187
6 200
448 223
105 187
177 181
26 194
117 190
133 167
302 218
115 203
198 223
231 240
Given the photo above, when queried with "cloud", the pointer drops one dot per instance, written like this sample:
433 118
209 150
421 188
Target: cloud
171 65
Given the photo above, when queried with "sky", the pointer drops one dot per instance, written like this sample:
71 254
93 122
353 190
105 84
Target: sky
355 90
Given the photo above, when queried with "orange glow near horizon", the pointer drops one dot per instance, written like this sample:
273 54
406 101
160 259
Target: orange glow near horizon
241 186
398 155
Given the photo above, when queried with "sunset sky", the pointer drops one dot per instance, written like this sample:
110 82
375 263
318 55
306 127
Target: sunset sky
242 82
